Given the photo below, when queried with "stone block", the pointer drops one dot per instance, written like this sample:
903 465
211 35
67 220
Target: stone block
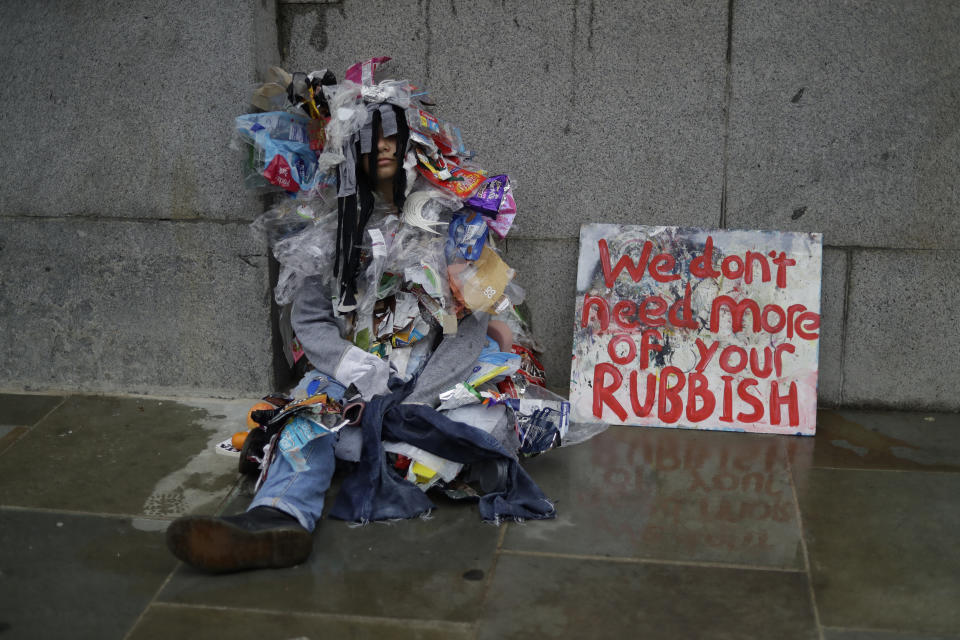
547 271
334 36
125 109
611 112
843 121
832 295
901 331
140 307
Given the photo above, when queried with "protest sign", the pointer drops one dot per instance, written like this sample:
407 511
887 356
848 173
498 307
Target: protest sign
696 328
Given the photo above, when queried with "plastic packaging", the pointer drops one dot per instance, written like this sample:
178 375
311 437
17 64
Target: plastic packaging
500 224
301 255
460 395
489 196
362 72
518 319
282 153
295 435
493 363
467 236
543 420
480 284
391 91
462 182
436 134
575 432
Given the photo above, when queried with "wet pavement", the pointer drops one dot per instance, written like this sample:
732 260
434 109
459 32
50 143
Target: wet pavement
662 533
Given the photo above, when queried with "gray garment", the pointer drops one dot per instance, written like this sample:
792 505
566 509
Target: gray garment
319 331
453 360
321 335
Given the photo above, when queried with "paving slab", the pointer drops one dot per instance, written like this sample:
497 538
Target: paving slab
901 441
70 576
866 634
9 435
883 548
24 410
134 456
413 569
164 621
138 104
901 336
134 307
542 597
19 411
843 121
668 494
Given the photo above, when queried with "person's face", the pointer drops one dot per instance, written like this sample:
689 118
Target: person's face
387 163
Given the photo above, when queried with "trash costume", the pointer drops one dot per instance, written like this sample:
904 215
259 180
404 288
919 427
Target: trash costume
401 304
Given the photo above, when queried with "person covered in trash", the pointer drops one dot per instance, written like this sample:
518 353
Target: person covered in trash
404 310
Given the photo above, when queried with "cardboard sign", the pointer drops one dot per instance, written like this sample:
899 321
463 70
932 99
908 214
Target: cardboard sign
696 328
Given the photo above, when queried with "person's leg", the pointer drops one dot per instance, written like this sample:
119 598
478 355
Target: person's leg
276 529
299 493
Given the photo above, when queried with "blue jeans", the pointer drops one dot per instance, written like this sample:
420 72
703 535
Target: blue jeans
300 493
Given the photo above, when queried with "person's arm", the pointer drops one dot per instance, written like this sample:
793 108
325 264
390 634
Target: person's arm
320 336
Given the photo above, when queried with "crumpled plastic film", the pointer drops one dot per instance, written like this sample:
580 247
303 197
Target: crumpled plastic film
303 254
347 116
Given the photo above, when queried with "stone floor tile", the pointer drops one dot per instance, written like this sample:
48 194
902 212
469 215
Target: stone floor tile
415 569
68 576
668 494
883 548
9 435
163 622
869 634
543 597
23 410
132 456
905 441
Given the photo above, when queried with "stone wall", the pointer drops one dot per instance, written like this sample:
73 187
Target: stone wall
821 116
125 256
126 260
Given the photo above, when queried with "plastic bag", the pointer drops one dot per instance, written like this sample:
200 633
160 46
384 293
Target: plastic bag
536 398
377 241
304 254
480 284
416 264
282 152
492 364
289 217
347 116
467 236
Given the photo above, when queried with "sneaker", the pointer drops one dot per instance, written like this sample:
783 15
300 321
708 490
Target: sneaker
262 538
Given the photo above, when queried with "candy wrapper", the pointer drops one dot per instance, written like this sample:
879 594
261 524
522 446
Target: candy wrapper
494 199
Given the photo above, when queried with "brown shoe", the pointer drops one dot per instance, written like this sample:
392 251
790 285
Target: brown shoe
262 538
